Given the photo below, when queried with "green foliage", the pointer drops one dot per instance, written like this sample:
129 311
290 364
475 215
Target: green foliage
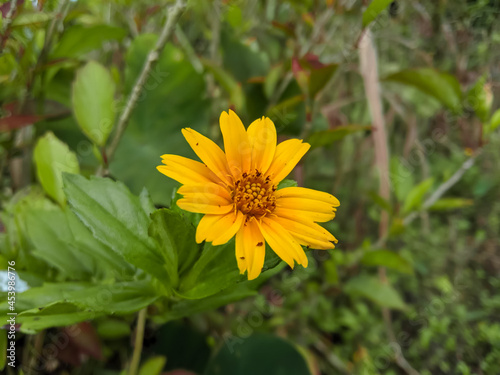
480 99
52 157
276 356
442 86
79 40
93 251
153 366
117 219
94 88
230 85
387 258
414 199
379 292
170 101
327 137
373 10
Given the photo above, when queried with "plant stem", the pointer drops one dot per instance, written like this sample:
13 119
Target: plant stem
173 16
369 71
139 338
443 188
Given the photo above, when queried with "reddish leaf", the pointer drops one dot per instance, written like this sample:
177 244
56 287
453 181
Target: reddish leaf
311 74
84 337
286 27
15 120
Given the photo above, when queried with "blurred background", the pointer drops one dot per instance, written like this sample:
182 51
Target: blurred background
399 103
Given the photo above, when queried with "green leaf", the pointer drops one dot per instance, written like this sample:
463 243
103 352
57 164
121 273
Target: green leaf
146 202
386 258
3 342
281 110
327 137
494 121
107 260
442 86
43 295
112 329
51 237
272 79
287 183
415 197
480 98
59 314
216 269
78 40
445 204
117 219
381 202
31 19
175 237
240 59
170 101
153 366
332 275
373 10
257 354
319 77
228 83
118 298
312 75
93 102
52 157
372 288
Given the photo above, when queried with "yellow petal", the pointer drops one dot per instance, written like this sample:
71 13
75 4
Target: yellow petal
282 242
251 246
190 205
206 192
311 234
227 227
236 145
288 154
219 229
186 171
323 211
240 252
300 192
262 138
209 153
309 215
204 230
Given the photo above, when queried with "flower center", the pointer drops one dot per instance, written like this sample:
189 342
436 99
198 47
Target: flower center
254 195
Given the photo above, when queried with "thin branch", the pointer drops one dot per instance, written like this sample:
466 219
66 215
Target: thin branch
173 16
332 359
443 188
139 338
60 14
188 49
369 72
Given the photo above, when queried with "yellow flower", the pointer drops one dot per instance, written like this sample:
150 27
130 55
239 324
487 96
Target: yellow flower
237 192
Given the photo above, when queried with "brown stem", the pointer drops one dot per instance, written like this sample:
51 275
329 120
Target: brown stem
369 71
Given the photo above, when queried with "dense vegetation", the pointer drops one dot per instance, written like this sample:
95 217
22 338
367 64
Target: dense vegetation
399 103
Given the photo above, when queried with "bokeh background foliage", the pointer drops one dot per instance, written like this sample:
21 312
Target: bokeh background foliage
105 260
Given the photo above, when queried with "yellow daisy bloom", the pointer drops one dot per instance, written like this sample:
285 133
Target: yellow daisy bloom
237 192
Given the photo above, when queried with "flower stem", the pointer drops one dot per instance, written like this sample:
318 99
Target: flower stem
139 338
